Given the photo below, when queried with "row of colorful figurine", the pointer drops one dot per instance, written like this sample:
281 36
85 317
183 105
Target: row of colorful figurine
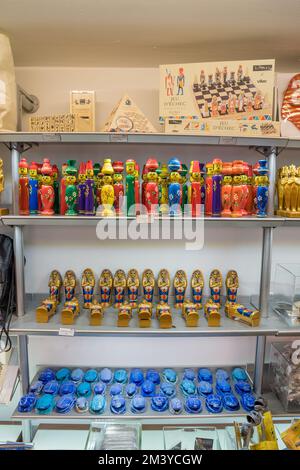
227 189
288 191
118 284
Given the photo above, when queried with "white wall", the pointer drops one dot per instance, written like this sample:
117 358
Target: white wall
62 248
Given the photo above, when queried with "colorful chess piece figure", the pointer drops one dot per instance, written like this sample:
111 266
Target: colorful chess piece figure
180 285
119 284
118 185
215 286
208 189
69 284
184 187
33 188
71 192
62 192
81 189
105 285
55 174
133 283
130 186
89 204
47 190
144 314
197 284
88 286
190 313
262 188
137 196
151 187
39 175
216 186
195 188
124 315
163 190
70 311
148 283
23 187
164 315
96 313
175 191
163 284
107 190
54 284
232 284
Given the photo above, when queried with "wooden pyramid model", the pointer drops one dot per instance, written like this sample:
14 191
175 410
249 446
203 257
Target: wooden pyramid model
127 117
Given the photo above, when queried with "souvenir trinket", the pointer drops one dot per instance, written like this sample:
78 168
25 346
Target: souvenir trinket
63 374
70 311
23 187
223 386
115 389
84 389
148 283
105 285
288 191
197 284
148 388
238 194
153 375
71 192
250 191
189 374
81 405
45 404
89 193
47 190
184 187
130 187
145 314
36 387
205 388
33 188
190 313
159 403
239 374
137 188
164 315
247 401
193 405
151 187
77 375
167 389
208 189
175 406
212 313
131 389
3 210
69 284
120 376
98 188
170 375
119 284
62 190
163 190
55 174
216 187
237 311
138 404
88 284
106 375
46 310
118 186
117 404
27 403
107 190
67 387
137 376
124 315
46 375
96 313
91 375
242 386
226 190
99 388
262 191
98 404
175 190
222 374
214 403
230 402
215 285
81 188
180 285
188 387
232 285
55 283
133 283
163 284
205 375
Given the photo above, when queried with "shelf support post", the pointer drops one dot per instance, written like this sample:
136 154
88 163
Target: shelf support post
19 269
24 382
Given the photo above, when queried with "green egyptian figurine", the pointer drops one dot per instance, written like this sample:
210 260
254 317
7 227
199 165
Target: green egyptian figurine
71 188
130 180
56 188
183 181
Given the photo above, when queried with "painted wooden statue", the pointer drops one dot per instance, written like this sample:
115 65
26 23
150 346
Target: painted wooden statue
190 313
119 284
33 188
105 286
151 187
144 314
47 190
118 185
232 285
215 286
96 313
69 284
88 285
197 284
71 192
55 284
23 187
208 189
148 283
89 204
216 187
175 190
62 191
133 283
81 189
163 190
124 315
107 190
130 186
180 285
55 175
163 284
164 315
195 189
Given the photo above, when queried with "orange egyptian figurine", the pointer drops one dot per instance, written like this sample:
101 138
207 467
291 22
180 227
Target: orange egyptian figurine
163 284
124 315
96 313
148 282
190 313
119 284
88 284
180 285
133 283
105 286
164 315
197 284
145 314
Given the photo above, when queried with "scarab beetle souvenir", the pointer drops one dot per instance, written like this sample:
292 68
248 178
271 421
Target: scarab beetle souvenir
205 374
188 387
51 387
119 284
222 374
193 405
99 388
124 315
67 387
241 387
27 403
205 388
46 375
105 285
63 374
81 405
180 285
70 311
247 401
239 374
148 283
96 313
189 374
145 314
148 388
133 283
230 402
98 404
45 404
164 315
175 406
115 389
88 285
84 389
138 404
197 285
163 284
106 375
91 375
77 375
223 386
117 404
120 376
36 387
131 389
153 375
214 403
167 389
190 313
65 404
137 376
159 403
170 375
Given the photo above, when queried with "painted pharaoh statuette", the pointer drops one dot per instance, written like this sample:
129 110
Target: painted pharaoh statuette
88 286
197 284
96 313
119 284
190 313
54 284
163 284
124 315
164 315
46 310
215 286
105 286
69 284
212 313
70 311
145 314
148 283
133 283
180 285
237 311
232 284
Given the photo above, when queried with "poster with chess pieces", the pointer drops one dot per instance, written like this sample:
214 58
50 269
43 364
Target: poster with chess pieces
217 90
288 87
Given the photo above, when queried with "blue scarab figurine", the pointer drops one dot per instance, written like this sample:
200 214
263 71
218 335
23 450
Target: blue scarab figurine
175 189
51 387
167 389
193 405
205 388
115 389
130 390
239 374
148 388
91 375
153 375
67 388
222 374
222 386
159 403
176 406
170 375
27 403
84 389
230 402
81 405
205 374
46 375
45 404
137 376
77 375
36 387
188 387
65 404
99 388
120 376
63 374
247 401
98 404
106 375
214 403
138 404
117 404
242 387
189 374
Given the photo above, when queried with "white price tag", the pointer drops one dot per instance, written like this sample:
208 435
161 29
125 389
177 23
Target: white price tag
227 140
51 137
66 332
119 138
296 354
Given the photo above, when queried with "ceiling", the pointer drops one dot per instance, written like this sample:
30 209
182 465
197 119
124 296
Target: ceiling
146 33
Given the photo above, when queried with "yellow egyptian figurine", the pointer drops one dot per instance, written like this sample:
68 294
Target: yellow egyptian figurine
70 311
46 310
105 286
148 283
215 285
164 194
164 315
212 313
190 313
133 284
119 284
288 191
180 285
107 190
88 284
197 284
282 177
54 284
96 313
294 190
163 284
145 314
239 312
232 285
69 284
3 210
124 315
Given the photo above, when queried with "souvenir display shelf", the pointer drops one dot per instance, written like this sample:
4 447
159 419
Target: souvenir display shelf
270 325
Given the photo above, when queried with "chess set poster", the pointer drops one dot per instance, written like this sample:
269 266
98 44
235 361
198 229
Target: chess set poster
217 90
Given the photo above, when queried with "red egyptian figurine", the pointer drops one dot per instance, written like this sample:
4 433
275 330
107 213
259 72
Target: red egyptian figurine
151 188
226 191
23 187
47 190
118 186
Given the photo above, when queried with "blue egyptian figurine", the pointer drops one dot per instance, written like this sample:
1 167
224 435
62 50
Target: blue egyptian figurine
33 188
175 189
262 188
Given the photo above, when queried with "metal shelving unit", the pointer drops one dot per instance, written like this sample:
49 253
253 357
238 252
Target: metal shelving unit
25 324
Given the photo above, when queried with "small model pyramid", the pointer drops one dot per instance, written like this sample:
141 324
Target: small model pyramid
127 117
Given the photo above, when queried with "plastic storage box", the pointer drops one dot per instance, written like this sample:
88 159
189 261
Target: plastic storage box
114 436
191 438
284 376
286 292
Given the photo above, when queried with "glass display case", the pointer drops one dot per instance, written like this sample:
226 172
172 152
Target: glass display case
286 292
113 435
191 438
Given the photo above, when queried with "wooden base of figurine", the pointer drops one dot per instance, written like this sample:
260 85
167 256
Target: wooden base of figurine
4 211
43 315
288 214
68 316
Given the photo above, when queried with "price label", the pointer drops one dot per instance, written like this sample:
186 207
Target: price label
227 140
118 138
51 137
296 354
66 332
